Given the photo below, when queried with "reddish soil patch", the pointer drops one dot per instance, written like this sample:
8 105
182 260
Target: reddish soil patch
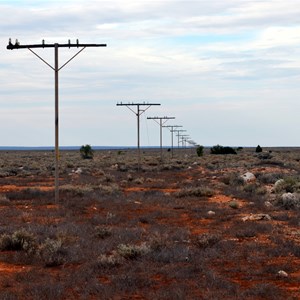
9 268
143 189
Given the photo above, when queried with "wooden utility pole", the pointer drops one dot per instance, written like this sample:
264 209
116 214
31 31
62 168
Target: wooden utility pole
178 134
161 123
138 113
171 128
56 69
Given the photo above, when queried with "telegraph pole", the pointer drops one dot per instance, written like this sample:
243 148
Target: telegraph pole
178 134
139 111
172 131
161 123
184 139
182 136
56 69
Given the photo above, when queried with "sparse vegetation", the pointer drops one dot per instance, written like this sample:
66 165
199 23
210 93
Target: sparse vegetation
153 233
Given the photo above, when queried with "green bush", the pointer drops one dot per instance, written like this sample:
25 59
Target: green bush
258 149
199 150
233 204
222 150
86 152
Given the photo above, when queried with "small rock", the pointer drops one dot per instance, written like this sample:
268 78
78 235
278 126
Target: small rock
256 217
282 273
211 213
290 200
288 197
268 204
78 171
248 177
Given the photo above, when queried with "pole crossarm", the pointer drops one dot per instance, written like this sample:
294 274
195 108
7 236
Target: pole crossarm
171 127
139 111
17 45
160 118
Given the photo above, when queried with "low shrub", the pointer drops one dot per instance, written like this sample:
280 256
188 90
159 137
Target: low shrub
250 229
199 150
53 253
222 150
269 178
86 152
4 201
103 232
233 204
132 251
74 190
207 240
263 291
109 189
139 180
20 240
196 192
109 261
258 149
234 179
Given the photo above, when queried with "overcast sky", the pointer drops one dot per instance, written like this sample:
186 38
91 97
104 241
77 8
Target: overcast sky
227 70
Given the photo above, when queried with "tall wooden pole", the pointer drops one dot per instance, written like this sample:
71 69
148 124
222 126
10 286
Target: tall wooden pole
138 113
56 69
56 124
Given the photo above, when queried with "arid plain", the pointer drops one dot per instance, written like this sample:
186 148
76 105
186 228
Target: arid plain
185 227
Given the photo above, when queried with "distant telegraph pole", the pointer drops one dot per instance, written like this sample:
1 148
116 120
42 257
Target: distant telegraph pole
161 123
178 134
171 128
183 138
138 113
56 69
